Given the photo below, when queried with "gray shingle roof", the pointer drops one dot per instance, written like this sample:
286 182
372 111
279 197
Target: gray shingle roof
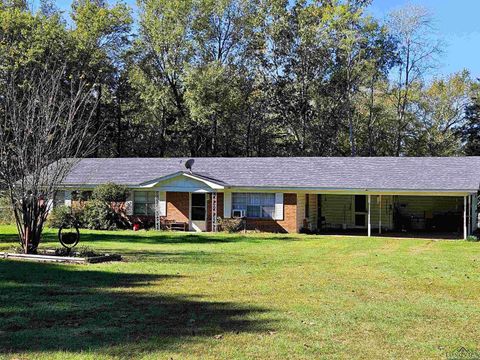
382 173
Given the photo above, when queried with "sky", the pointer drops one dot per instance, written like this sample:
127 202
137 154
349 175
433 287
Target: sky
458 26
457 23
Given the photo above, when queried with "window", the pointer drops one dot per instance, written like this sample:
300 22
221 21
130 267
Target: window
256 205
360 203
81 195
144 203
59 198
199 210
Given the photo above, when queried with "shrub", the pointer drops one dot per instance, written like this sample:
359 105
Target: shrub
85 251
110 193
98 215
81 251
62 216
6 212
472 238
17 249
231 225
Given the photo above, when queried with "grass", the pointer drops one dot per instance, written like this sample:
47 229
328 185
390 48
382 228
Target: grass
191 296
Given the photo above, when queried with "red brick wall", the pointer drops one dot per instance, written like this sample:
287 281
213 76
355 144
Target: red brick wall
287 225
178 206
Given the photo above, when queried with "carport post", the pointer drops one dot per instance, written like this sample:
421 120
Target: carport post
469 215
369 222
380 215
464 217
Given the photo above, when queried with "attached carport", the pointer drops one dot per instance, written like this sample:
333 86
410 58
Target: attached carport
386 194
380 213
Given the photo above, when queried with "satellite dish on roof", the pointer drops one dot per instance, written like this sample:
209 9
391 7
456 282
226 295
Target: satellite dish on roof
189 164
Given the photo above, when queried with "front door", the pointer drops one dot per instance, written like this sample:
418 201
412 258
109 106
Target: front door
361 211
198 212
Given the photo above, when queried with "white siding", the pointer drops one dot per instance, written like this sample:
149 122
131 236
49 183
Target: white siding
337 210
387 211
184 184
340 209
428 205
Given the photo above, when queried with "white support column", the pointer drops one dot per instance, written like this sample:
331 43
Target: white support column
227 204
380 215
464 217
369 216
160 208
473 210
214 212
469 215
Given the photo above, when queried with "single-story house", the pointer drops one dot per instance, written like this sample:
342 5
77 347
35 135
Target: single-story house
377 194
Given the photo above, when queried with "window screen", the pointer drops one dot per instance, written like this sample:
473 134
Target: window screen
256 205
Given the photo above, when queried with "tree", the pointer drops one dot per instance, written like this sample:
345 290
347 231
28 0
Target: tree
218 73
471 129
440 116
364 53
44 128
155 69
100 37
418 49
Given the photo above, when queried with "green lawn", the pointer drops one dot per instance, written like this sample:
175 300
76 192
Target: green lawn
257 296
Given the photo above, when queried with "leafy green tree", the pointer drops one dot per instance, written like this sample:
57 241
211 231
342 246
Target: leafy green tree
101 37
156 67
471 129
441 115
110 193
216 77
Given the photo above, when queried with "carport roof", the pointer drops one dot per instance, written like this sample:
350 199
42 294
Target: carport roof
342 173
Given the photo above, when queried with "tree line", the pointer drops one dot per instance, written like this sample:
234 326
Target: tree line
249 77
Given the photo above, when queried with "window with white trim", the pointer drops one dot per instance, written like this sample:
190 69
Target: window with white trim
255 205
144 203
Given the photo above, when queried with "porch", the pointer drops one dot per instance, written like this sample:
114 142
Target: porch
185 211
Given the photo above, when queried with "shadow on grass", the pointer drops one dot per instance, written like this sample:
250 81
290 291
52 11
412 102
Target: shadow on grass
154 237
47 307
